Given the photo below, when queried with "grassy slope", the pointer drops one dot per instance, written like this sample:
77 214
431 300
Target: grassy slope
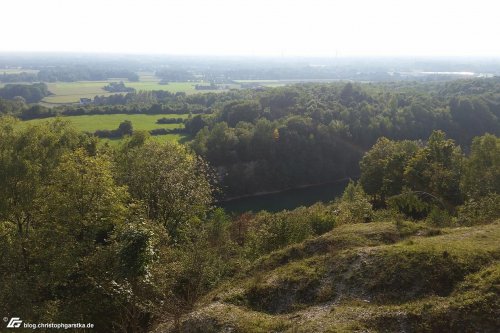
373 277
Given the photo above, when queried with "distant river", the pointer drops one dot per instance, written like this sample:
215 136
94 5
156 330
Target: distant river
288 199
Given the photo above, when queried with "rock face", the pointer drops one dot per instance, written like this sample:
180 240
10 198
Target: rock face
373 277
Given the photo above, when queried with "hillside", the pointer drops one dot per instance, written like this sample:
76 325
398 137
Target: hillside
369 277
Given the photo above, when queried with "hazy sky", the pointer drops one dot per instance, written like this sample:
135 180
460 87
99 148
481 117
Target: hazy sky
253 27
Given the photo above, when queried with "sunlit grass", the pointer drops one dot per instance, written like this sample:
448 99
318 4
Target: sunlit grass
92 123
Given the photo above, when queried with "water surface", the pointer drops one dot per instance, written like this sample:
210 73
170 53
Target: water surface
288 199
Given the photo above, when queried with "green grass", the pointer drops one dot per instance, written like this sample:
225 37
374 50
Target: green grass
71 92
92 123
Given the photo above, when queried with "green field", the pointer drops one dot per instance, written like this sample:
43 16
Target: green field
71 92
92 123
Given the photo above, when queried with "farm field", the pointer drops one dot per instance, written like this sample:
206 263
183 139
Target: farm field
71 92
92 123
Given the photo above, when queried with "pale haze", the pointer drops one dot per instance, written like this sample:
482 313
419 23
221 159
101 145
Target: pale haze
254 28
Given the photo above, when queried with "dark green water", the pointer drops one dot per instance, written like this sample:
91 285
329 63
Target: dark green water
289 199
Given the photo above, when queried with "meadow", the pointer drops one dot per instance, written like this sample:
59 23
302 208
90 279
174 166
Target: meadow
71 92
92 123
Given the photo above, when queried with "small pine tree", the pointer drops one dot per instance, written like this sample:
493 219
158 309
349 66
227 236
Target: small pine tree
354 206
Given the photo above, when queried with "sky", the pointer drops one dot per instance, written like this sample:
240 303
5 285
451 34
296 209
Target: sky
253 27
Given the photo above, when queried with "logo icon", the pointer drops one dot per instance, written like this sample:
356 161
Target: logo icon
14 322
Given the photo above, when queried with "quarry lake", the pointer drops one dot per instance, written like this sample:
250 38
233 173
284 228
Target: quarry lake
287 199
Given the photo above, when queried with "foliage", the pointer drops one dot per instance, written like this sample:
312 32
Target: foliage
481 172
172 184
75 243
277 138
354 206
435 169
125 128
170 120
306 134
117 87
266 232
382 167
410 203
435 178
31 93
480 210
83 73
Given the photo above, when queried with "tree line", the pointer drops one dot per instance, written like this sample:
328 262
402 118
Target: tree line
70 73
32 93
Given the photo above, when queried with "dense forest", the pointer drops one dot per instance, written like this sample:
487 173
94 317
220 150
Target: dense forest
307 134
131 231
278 138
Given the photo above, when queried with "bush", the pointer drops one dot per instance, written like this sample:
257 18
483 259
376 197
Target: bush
266 232
165 120
439 217
354 207
409 204
321 218
125 128
478 211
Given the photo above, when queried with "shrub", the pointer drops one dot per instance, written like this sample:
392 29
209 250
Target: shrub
165 120
439 217
266 232
477 211
354 207
410 204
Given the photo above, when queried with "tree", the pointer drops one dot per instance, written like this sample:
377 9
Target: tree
237 111
221 145
481 170
173 184
354 206
436 169
125 128
382 167
473 114
80 209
